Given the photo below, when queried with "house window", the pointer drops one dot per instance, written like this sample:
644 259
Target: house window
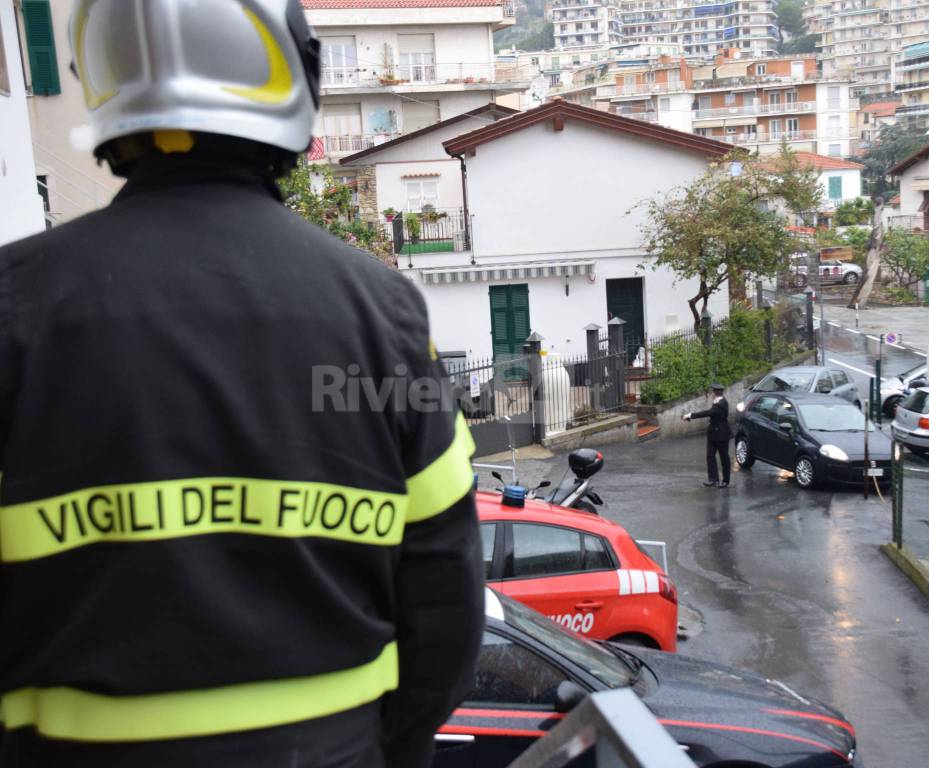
761 69
419 114
730 99
575 60
775 127
342 126
832 97
835 187
556 62
664 105
339 61
833 125
793 127
704 102
417 57
535 61
579 27
835 150
748 99
422 192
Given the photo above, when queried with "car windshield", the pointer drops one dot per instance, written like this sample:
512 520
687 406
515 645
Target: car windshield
833 417
785 381
607 667
911 372
918 402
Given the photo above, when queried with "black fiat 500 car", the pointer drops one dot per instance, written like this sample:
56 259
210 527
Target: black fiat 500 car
531 671
819 438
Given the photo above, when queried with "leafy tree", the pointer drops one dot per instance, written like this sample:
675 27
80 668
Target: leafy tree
801 44
722 227
857 211
330 207
906 255
894 143
790 17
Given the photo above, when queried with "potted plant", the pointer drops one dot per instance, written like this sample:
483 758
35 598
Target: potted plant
429 214
390 214
412 227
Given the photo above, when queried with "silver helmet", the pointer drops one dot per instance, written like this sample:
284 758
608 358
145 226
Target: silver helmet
242 68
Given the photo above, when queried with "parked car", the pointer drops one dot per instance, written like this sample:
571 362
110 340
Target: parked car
818 437
830 271
895 388
581 570
805 378
530 671
911 421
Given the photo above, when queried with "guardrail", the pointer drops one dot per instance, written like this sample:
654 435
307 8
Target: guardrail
618 726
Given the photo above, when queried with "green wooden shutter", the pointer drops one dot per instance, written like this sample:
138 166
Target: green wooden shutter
519 311
499 319
835 187
40 39
509 318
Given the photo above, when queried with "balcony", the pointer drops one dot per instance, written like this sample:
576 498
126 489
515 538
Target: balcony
755 109
436 230
338 146
764 137
646 89
917 85
913 109
399 78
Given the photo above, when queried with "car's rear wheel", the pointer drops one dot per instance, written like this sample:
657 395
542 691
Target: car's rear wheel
890 405
805 472
642 641
743 452
851 278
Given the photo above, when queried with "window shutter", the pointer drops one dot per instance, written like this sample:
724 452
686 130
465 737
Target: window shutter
835 187
40 39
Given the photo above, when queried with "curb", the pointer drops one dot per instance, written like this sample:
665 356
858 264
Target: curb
914 568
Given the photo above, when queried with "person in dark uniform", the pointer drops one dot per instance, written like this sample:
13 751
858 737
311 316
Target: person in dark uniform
718 436
215 548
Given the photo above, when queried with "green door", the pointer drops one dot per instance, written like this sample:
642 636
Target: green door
509 321
624 300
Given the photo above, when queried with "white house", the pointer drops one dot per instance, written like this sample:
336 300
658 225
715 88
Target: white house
20 202
555 239
914 191
840 180
413 170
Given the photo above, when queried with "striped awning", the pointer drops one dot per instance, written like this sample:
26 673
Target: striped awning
483 273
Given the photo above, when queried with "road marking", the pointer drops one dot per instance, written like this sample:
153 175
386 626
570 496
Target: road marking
852 330
852 367
834 325
873 338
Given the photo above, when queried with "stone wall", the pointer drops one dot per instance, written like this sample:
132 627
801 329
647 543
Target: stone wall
367 193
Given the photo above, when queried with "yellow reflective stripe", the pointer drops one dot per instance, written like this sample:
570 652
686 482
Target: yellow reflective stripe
445 480
92 97
280 82
68 713
175 508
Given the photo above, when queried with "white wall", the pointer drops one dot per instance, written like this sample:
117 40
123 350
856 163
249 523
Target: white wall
21 208
911 199
78 184
538 191
851 185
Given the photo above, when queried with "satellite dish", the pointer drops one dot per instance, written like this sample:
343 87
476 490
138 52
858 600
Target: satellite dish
538 89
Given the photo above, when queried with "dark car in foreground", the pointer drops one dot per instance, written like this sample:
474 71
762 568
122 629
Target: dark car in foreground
531 671
819 438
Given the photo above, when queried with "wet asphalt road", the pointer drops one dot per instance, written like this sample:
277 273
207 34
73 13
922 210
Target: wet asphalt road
790 584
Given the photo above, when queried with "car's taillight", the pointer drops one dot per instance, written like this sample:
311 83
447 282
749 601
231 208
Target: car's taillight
666 588
924 423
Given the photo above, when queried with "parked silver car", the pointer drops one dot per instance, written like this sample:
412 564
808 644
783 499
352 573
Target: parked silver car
830 271
895 388
911 421
806 378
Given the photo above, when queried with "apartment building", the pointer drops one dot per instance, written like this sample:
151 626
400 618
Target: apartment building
872 118
913 82
865 39
579 23
756 104
391 67
70 180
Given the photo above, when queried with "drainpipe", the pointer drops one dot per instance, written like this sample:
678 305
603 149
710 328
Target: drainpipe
466 213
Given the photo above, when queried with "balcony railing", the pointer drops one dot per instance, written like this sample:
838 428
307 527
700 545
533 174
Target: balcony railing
756 109
371 76
645 89
912 86
763 137
349 144
439 230
509 9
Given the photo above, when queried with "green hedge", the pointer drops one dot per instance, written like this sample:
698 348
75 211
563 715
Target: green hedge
684 366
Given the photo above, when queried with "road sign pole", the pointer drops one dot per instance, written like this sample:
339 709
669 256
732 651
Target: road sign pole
867 460
877 381
896 474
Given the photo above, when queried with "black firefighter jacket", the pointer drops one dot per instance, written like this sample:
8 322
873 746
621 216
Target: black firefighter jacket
221 509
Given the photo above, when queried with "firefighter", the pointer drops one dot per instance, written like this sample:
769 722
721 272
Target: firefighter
215 548
718 436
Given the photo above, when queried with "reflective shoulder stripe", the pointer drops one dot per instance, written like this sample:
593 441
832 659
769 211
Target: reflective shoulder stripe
176 508
68 713
448 478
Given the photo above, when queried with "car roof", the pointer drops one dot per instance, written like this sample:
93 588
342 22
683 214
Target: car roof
490 507
811 397
799 369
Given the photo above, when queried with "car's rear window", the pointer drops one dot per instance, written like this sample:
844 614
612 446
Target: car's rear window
918 402
783 381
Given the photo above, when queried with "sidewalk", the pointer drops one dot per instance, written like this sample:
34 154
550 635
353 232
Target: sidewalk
911 324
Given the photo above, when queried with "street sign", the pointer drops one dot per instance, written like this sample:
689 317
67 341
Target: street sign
891 338
475 385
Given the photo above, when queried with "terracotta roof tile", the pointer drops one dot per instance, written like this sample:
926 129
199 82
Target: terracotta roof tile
824 163
881 108
311 5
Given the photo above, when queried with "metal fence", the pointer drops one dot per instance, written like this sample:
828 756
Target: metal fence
431 231
910 490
